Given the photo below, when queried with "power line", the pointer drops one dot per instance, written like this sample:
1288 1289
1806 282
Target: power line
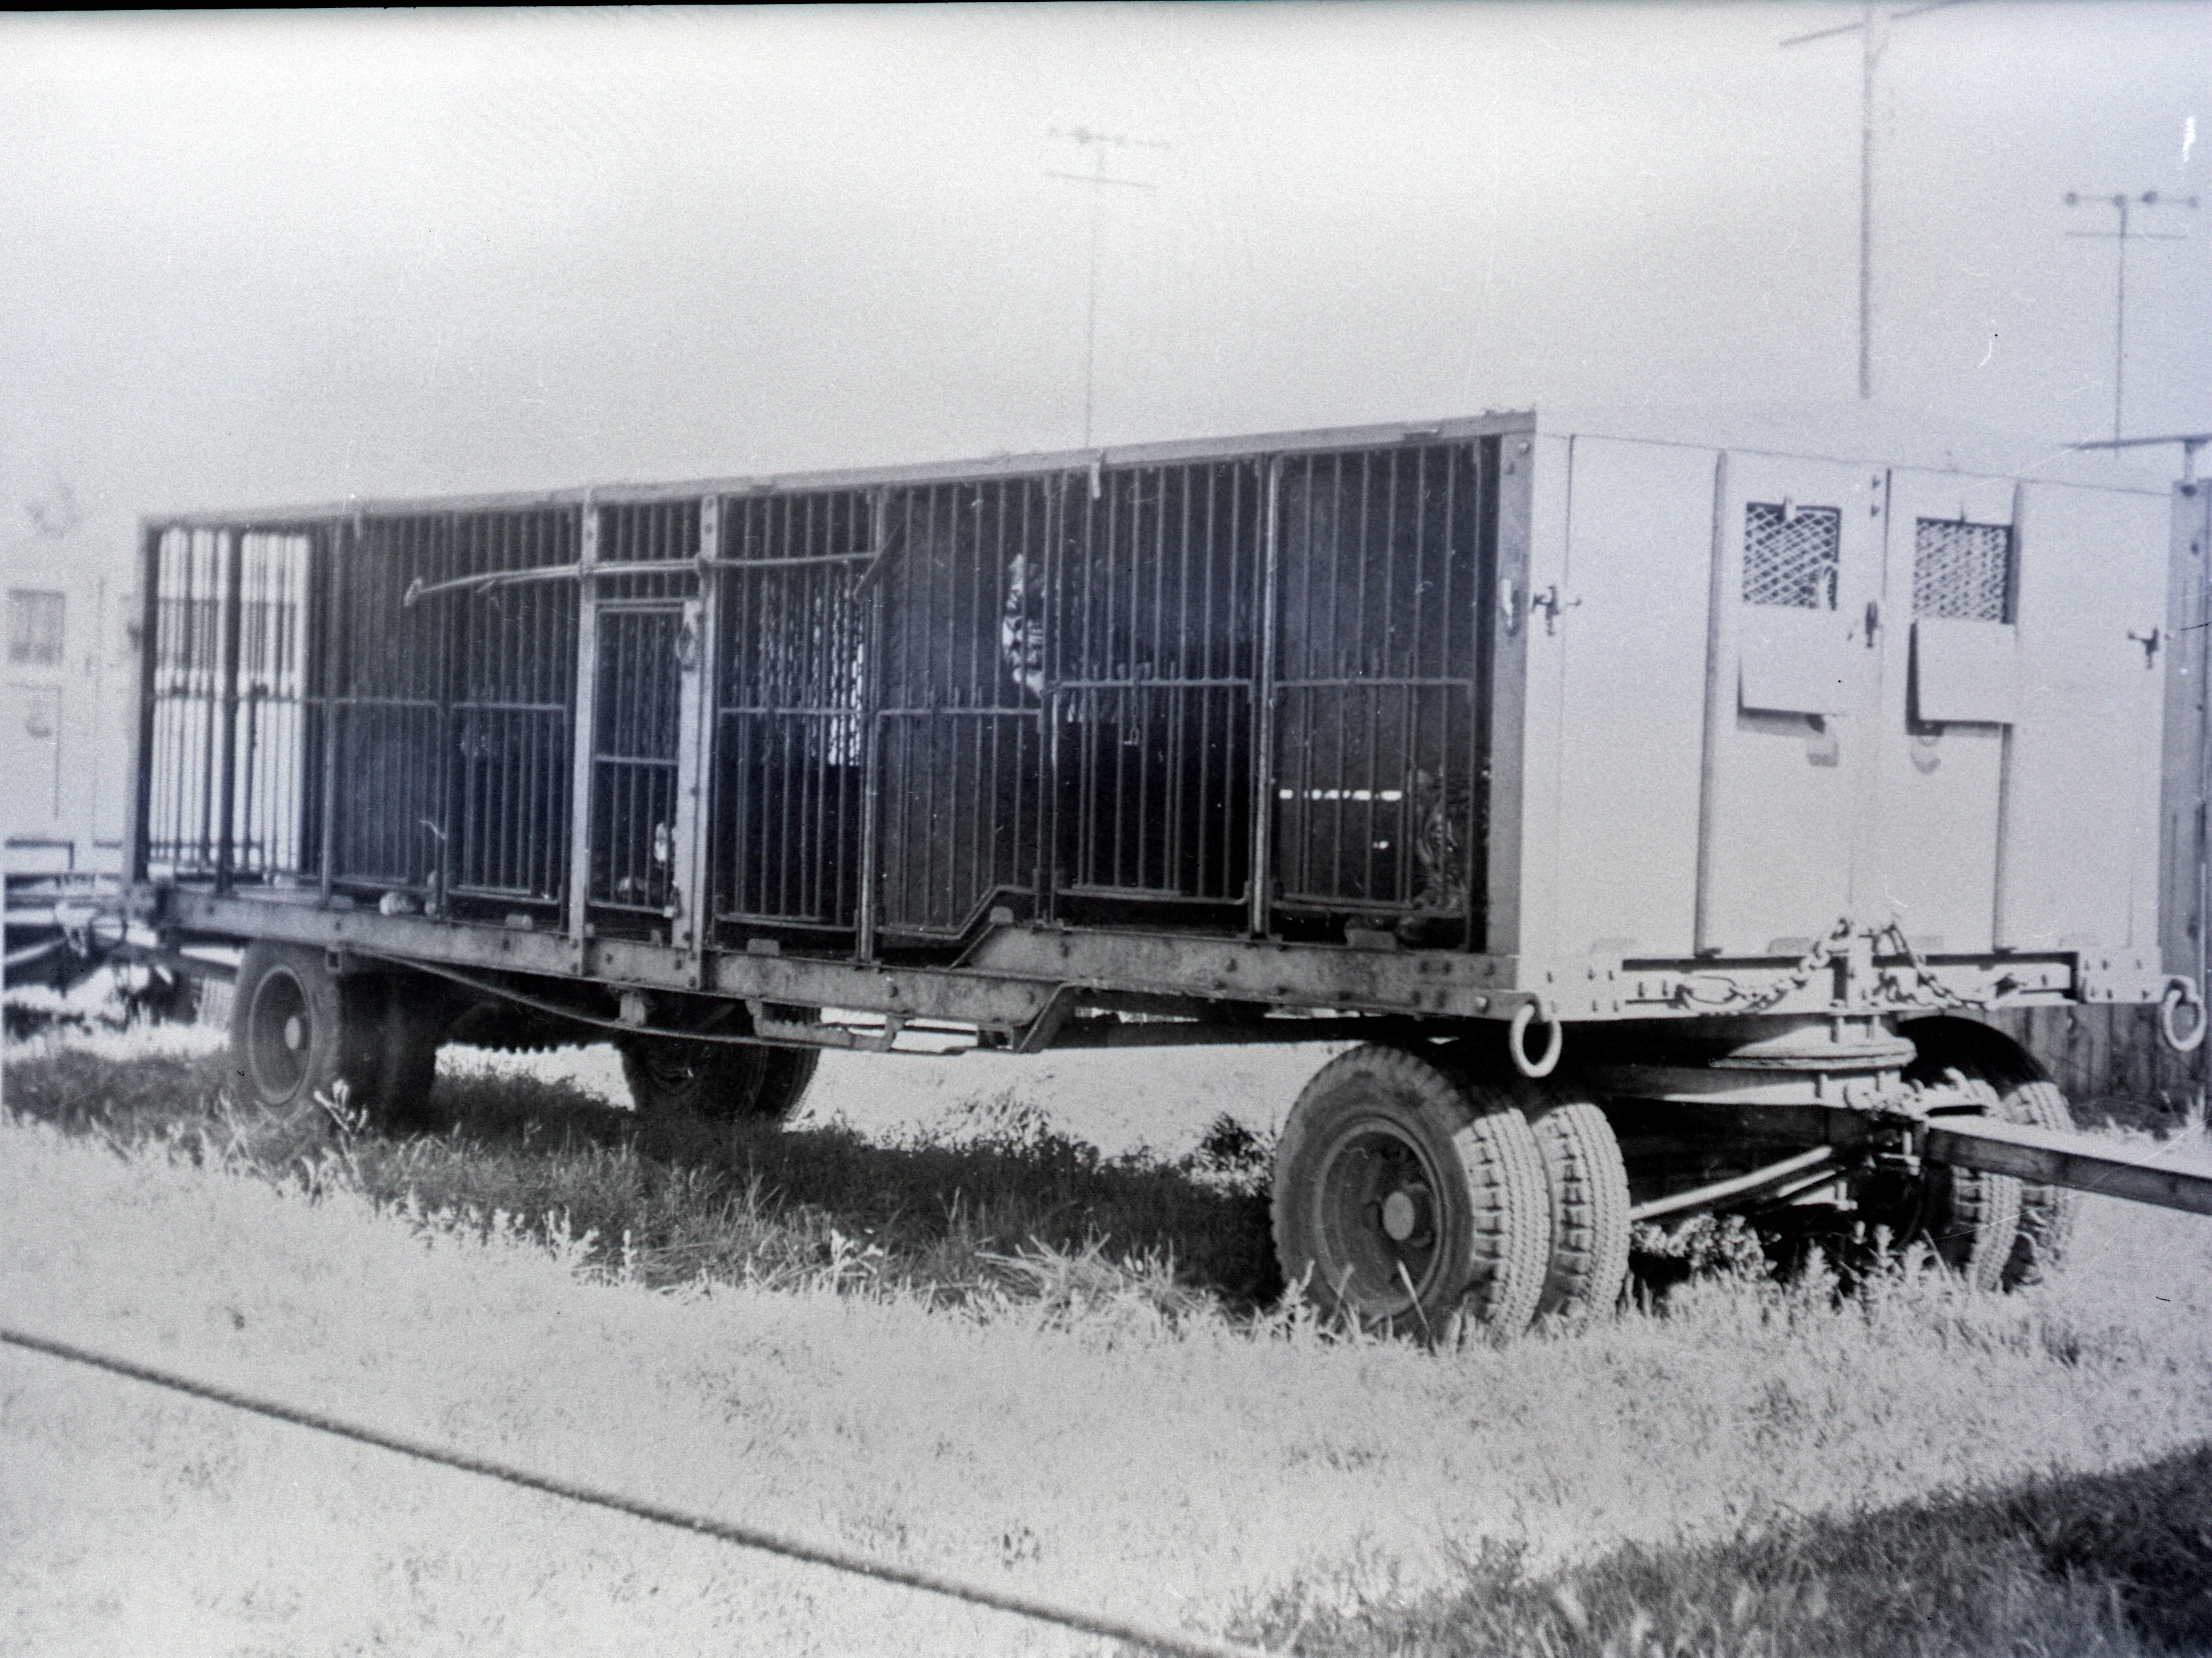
1151 1636
1873 30
2123 203
1098 144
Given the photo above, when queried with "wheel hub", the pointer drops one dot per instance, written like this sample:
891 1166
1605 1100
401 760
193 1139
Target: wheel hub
1400 1217
280 1036
1378 1216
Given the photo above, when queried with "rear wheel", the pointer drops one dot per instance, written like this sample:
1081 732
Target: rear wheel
1969 1218
1405 1198
2016 1092
719 1082
2046 1212
1588 1184
1972 1219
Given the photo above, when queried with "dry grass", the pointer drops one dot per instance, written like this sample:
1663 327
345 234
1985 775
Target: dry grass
951 1217
1949 1472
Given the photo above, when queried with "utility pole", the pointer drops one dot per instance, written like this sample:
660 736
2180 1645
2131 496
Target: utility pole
1873 30
2123 235
1098 179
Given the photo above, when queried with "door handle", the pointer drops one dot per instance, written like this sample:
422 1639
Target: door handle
2149 641
1873 621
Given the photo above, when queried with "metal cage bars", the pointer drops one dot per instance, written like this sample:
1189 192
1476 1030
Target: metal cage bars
1089 694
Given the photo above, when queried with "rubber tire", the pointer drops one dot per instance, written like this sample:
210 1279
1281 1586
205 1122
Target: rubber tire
1973 1221
300 1033
2019 1092
1587 1183
416 1017
717 1082
1491 1219
2046 1212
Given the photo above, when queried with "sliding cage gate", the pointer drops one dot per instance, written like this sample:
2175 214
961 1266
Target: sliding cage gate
862 720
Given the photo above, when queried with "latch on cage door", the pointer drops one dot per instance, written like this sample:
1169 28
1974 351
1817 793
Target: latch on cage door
687 638
1551 604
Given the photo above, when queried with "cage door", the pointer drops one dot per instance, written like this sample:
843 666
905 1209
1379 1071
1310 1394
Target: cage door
1374 774
642 826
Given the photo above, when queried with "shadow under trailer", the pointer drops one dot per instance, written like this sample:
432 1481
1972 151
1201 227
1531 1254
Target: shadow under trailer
1660 815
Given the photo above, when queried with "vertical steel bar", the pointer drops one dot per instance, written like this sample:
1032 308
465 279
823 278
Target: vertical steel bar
441 840
1719 692
253 696
1002 694
341 566
206 679
142 753
695 799
1421 704
1097 571
1263 703
232 605
584 725
1372 693
872 698
1049 496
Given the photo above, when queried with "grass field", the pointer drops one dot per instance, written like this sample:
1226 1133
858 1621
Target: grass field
1000 1350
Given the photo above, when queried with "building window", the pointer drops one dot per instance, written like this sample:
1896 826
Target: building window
34 628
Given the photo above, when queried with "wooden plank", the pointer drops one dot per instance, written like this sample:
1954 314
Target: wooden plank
2071 1160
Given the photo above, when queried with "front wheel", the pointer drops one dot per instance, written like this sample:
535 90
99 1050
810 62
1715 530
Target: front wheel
1405 1197
305 1042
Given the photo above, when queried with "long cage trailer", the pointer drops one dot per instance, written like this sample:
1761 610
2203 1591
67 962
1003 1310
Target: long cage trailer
1538 759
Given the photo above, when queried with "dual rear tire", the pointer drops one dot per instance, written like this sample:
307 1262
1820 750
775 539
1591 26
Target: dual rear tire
1415 1194
1999 1232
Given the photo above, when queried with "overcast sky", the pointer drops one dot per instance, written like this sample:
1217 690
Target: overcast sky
254 260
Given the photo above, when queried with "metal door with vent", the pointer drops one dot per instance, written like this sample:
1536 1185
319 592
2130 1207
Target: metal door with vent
1792 709
1950 695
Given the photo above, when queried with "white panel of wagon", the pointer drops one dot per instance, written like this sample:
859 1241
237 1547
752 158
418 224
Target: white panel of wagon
1627 642
2078 851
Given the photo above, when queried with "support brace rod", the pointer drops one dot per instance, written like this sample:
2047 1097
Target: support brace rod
1739 1186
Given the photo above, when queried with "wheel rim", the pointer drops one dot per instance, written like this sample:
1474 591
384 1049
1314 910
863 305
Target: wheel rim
1382 1229
281 1034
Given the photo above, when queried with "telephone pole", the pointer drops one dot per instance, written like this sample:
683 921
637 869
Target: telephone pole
1098 179
1873 30
2123 203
